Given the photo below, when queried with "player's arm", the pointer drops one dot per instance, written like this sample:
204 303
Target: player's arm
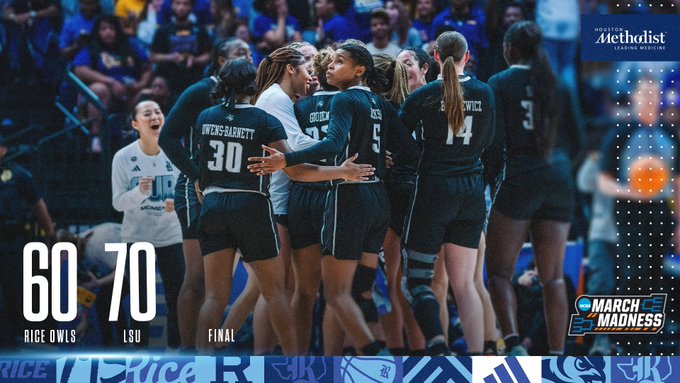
493 156
400 141
179 121
312 173
338 130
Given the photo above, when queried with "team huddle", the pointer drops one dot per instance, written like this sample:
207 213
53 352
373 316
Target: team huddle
443 178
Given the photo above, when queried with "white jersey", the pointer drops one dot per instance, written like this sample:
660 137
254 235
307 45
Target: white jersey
145 218
277 103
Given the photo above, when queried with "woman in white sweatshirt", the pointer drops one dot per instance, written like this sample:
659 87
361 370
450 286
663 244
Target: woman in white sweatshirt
143 181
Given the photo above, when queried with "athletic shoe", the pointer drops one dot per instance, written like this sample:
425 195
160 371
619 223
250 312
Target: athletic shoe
384 352
517 351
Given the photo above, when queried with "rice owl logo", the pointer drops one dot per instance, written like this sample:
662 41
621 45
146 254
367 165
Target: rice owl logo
575 370
657 369
618 314
297 370
369 369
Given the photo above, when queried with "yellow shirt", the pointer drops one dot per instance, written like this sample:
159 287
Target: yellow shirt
124 7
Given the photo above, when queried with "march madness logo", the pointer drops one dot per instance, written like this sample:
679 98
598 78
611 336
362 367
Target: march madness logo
618 314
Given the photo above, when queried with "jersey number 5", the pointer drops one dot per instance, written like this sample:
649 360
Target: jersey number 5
232 162
528 122
466 134
376 138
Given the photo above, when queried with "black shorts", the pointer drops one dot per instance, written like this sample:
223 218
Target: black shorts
355 220
187 207
400 189
242 220
545 193
445 210
306 206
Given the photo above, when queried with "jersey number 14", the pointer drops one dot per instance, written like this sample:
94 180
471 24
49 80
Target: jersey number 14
466 133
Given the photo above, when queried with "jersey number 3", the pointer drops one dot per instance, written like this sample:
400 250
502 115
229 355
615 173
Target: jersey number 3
466 133
232 162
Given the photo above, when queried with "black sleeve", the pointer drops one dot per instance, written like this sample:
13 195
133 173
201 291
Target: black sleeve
342 111
179 121
400 141
494 156
491 101
409 111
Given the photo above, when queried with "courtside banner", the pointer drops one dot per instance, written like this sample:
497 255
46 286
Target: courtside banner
630 37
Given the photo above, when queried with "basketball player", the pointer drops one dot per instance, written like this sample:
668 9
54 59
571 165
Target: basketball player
454 122
357 214
536 125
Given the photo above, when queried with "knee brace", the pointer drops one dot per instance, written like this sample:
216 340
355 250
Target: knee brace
423 301
364 278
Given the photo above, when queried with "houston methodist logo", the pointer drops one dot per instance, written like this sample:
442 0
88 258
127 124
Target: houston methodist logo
618 314
630 37
645 40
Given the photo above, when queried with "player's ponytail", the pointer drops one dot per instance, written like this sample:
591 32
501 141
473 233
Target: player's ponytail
524 42
451 47
397 76
273 67
236 79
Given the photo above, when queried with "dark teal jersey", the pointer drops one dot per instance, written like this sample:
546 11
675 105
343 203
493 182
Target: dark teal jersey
178 138
443 152
227 139
359 123
313 115
515 122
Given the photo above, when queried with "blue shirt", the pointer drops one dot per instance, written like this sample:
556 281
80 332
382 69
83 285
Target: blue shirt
425 30
264 24
72 30
472 28
339 28
201 10
110 63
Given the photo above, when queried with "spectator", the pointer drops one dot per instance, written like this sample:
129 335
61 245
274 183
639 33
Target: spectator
274 27
560 23
159 92
463 17
77 29
181 49
18 196
333 26
511 12
128 13
361 11
403 34
381 32
423 13
200 12
28 26
224 21
149 22
114 70
243 33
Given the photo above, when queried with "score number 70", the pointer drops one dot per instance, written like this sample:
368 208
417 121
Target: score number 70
42 282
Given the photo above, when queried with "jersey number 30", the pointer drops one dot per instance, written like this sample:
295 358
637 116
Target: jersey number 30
466 133
231 162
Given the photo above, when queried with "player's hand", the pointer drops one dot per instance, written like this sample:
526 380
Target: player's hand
145 184
356 172
199 194
267 165
389 161
169 205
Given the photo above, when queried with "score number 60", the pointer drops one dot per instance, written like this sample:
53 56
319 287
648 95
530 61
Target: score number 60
42 282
